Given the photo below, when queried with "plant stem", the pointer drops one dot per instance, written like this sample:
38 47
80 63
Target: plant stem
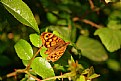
67 75
15 73
29 64
32 76
87 22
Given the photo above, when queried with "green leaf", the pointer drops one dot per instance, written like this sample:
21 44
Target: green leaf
63 31
114 20
57 34
21 12
59 67
42 67
25 62
114 24
52 18
114 65
60 35
42 52
91 71
111 38
94 76
62 22
23 49
91 49
72 30
35 39
81 78
117 5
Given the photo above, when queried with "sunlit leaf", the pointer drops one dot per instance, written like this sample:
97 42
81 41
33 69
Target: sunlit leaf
111 38
25 62
35 39
81 78
91 71
94 76
24 50
42 52
57 34
21 12
42 67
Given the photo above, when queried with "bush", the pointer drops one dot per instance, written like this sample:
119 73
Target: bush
60 40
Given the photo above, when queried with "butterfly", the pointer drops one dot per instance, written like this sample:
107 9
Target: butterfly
55 46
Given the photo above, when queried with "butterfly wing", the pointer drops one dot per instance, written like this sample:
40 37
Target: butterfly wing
56 46
57 53
50 40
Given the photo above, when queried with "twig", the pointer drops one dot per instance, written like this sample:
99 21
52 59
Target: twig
32 76
21 71
91 23
87 22
91 4
93 7
28 66
26 70
67 75
15 73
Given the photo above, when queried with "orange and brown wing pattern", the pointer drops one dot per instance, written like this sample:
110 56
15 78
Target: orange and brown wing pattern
57 53
50 40
55 46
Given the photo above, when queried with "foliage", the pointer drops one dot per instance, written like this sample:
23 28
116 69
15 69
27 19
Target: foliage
92 28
